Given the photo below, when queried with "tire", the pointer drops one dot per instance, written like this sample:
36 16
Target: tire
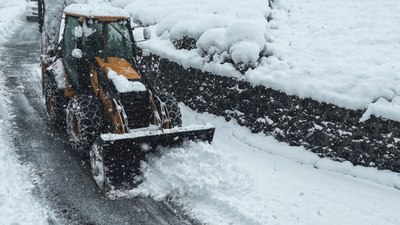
55 101
98 168
85 122
117 170
173 108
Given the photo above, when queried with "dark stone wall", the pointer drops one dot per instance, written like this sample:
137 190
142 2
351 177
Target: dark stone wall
325 129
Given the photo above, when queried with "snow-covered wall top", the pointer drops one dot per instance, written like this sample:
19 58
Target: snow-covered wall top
335 51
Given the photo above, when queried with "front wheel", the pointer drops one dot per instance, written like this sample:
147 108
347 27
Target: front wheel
85 122
98 168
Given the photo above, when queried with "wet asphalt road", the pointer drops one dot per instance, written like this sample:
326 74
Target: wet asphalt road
65 185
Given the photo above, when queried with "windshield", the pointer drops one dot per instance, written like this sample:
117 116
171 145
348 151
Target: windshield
118 42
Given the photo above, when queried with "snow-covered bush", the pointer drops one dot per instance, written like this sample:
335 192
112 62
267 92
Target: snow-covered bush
241 43
224 31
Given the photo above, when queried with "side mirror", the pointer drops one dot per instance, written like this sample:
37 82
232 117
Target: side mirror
146 33
77 53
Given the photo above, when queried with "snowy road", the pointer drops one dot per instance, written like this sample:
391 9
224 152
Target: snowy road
241 179
65 181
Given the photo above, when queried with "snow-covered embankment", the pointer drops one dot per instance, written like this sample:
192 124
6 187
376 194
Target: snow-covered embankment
340 52
17 205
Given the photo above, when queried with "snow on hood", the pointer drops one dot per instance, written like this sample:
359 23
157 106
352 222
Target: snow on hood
124 85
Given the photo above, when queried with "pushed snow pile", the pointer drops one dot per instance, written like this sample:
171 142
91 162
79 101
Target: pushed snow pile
223 31
124 85
198 173
244 178
335 51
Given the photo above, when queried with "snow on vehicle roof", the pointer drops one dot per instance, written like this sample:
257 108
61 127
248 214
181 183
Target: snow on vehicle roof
100 11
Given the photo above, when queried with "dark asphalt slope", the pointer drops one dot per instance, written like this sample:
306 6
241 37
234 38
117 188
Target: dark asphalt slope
66 184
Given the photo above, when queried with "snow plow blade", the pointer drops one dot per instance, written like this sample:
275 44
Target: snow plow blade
116 158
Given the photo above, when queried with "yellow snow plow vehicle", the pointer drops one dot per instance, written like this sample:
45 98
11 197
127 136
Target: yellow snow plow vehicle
92 86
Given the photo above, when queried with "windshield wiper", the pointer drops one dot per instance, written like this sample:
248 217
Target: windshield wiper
120 32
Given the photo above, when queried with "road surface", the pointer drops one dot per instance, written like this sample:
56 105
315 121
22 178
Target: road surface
66 184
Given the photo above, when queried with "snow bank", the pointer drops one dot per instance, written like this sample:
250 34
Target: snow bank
340 52
245 178
17 206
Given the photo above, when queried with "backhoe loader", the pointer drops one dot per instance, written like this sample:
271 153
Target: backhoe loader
93 88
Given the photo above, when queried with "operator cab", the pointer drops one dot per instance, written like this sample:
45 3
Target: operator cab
98 35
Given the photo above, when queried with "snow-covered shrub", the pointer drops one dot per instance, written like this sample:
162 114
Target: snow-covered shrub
212 42
242 43
185 34
244 54
185 42
245 31
223 31
246 42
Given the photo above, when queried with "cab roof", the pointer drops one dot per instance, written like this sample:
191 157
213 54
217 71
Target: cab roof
103 12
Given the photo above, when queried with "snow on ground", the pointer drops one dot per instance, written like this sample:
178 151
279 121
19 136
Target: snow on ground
336 51
244 178
17 205
10 14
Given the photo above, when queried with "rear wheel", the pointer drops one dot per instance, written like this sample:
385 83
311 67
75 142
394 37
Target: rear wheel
85 121
56 102
173 109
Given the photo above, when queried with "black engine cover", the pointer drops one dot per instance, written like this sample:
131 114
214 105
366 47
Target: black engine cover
137 108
